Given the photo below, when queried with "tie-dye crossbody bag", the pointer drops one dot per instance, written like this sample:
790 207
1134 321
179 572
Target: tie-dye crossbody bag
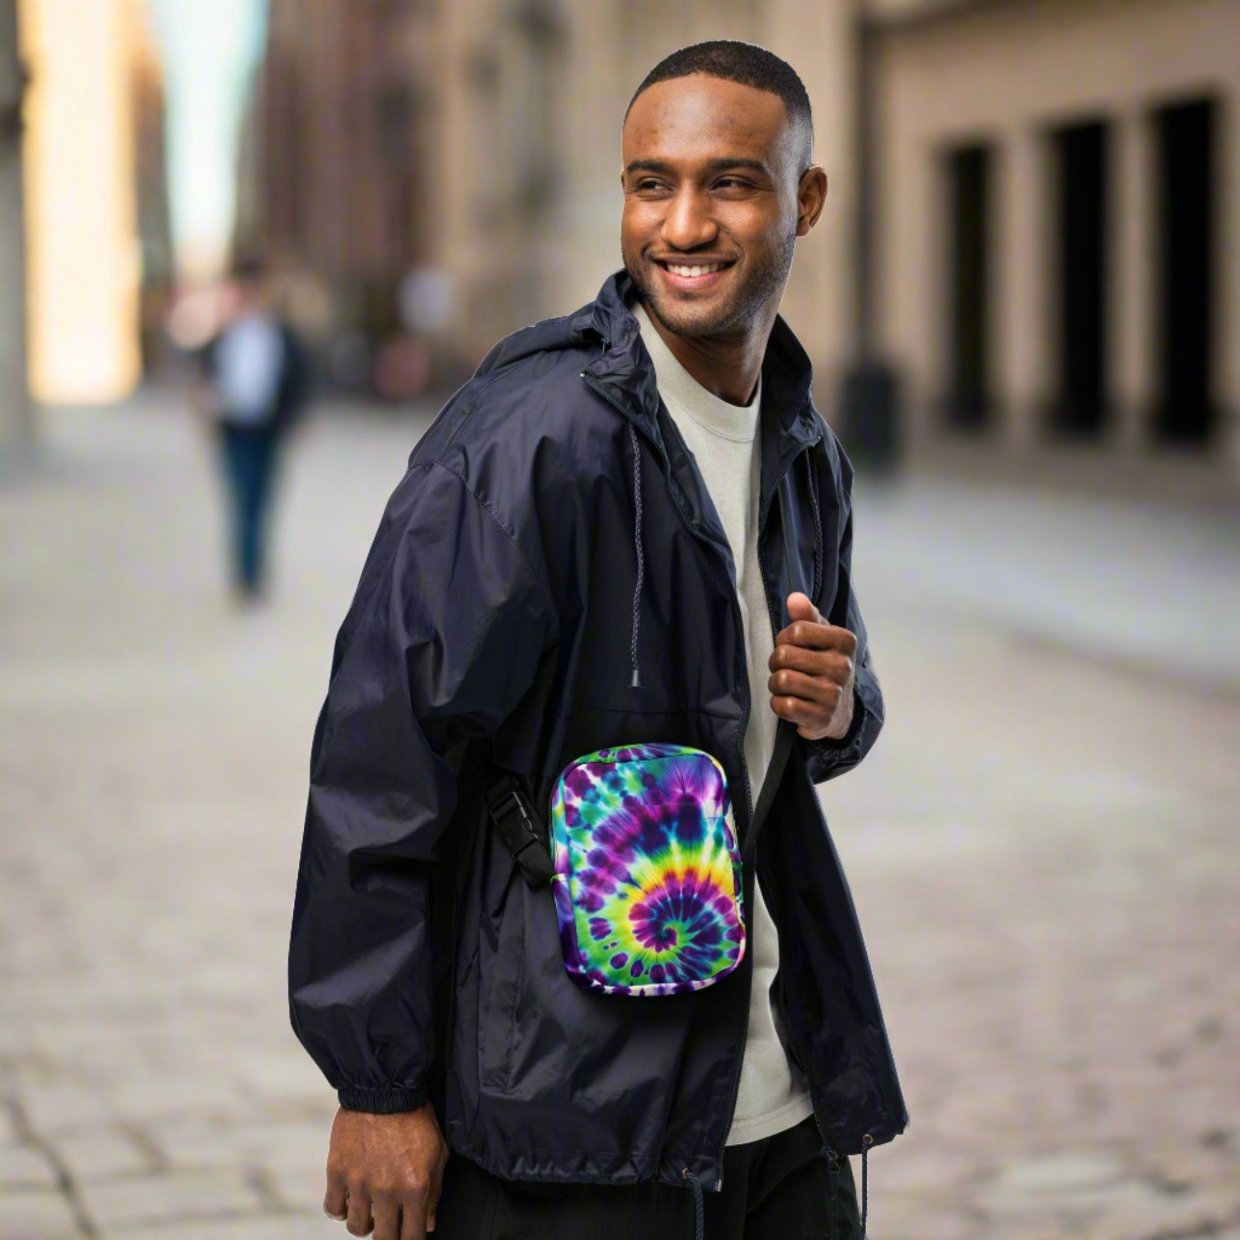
647 870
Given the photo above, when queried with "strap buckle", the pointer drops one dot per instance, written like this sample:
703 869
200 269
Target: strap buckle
516 822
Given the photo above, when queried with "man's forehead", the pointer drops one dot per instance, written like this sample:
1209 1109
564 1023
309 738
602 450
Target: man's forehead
701 118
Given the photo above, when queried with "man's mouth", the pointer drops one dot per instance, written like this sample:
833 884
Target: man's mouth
693 274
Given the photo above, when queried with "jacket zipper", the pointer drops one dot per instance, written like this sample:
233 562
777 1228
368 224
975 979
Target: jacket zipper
775 618
738 1059
777 898
764 512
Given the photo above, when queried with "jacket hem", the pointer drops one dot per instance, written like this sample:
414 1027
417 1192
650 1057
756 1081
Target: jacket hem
546 1165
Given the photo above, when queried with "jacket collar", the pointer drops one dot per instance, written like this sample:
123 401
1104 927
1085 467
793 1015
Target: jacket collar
625 370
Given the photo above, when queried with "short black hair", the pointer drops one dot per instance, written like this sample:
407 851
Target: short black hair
746 63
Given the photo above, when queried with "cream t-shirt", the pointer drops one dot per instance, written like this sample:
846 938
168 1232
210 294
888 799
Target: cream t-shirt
725 444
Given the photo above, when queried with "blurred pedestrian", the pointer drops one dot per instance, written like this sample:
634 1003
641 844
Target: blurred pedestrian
253 386
566 888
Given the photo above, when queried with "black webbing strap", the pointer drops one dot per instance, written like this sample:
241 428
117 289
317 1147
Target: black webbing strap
784 737
518 826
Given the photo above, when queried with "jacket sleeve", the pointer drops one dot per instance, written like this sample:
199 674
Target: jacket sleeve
442 640
826 759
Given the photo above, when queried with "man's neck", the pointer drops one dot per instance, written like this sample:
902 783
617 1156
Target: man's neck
727 367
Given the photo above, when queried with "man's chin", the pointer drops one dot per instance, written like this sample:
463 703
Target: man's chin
693 320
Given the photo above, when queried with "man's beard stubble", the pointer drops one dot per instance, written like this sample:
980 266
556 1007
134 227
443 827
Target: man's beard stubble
764 286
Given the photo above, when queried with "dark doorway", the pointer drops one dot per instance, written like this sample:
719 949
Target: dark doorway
1081 313
967 403
1185 134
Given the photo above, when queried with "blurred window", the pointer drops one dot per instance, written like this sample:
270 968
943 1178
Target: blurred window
1186 133
969 179
1080 309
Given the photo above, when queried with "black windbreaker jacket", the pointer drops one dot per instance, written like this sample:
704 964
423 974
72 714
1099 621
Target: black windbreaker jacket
549 578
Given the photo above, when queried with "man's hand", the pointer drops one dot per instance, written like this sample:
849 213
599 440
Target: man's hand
812 671
385 1172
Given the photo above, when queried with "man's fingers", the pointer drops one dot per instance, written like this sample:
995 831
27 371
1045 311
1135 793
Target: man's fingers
360 1223
785 683
833 664
436 1188
818 637
810 717
413 1219
334 1200
386 1214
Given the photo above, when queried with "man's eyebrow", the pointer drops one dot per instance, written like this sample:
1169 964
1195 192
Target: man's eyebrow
647 165
714 165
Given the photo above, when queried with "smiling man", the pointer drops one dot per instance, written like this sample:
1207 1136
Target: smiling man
607 624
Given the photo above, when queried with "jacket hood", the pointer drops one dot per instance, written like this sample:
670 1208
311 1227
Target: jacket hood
624 372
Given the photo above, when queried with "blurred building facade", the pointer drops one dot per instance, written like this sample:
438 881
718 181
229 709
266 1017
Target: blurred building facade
1027 216
331 167
14 408
153 215
1058 266
82 187
480 143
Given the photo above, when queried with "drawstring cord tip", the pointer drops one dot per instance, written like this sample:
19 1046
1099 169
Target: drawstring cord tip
635 681
833 1170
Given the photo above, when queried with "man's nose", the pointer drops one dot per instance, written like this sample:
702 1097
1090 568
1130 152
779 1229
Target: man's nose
688 223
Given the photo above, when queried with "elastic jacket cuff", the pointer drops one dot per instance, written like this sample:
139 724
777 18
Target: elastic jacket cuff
826 758
383 1100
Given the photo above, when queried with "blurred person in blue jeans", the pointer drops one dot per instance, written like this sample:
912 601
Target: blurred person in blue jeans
254 386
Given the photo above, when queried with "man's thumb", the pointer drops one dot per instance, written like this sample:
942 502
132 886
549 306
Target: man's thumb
801 607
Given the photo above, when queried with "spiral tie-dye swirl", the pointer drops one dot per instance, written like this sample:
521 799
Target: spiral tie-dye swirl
647 880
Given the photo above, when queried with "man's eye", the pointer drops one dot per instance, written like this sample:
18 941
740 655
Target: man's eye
731 183
646 185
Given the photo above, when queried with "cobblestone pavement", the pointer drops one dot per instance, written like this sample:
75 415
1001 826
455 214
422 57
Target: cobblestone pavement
1043 848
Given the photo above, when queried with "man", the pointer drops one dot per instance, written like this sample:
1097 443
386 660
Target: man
253 386
593 547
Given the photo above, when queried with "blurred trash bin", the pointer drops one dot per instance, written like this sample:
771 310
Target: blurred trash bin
870 422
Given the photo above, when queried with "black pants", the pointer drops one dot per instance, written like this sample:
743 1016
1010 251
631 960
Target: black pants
775 1189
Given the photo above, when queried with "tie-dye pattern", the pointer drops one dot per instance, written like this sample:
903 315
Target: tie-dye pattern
647 877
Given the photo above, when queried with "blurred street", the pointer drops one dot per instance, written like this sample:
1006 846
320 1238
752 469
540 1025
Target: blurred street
1043 848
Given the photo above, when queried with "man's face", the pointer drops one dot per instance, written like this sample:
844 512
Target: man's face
714 200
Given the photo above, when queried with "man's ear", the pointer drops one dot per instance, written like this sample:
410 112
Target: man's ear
811 197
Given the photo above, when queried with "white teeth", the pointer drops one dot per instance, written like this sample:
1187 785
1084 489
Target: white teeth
708 269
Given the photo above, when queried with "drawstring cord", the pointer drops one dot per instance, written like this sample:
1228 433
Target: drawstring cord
698 1207
635 681
833 1170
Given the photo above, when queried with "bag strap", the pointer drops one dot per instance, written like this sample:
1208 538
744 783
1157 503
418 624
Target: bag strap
518 826
785 735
